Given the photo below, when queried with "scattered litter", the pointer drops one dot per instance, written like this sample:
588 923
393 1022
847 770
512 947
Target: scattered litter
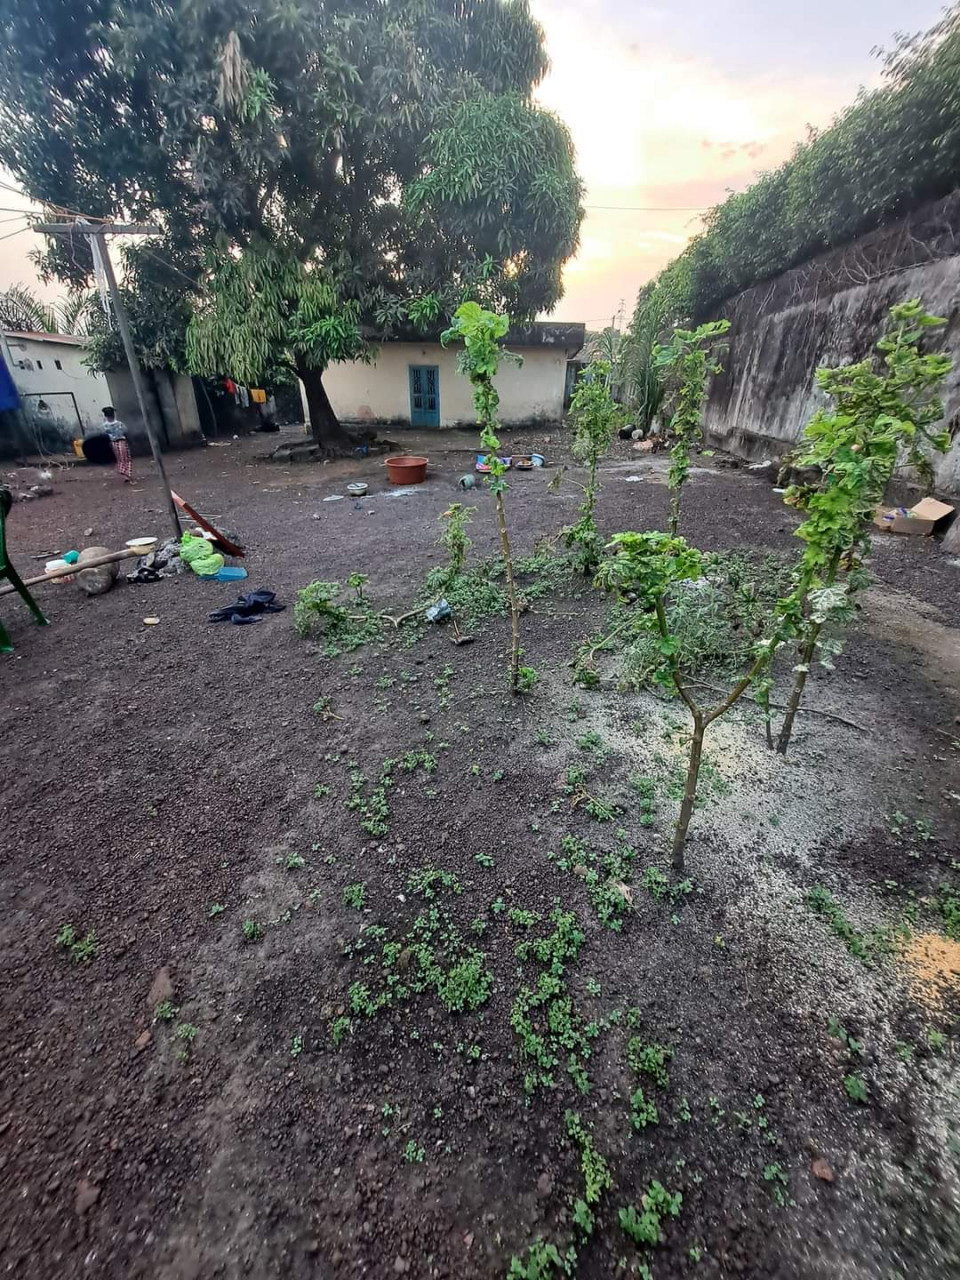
777 490
919 520
34 491
142 546
398 493
334 497
633 479
643 446
467 482
248 608
164 562
438 612
62 563
199 554
230 573
150 622
484 466
88 532
538 459
219 444
357 488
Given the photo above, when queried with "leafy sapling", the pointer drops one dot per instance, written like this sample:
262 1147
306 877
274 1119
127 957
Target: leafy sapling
643 567
596 415
877 419
481 331
687 363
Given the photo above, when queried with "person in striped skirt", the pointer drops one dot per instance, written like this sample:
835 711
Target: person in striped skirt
118 439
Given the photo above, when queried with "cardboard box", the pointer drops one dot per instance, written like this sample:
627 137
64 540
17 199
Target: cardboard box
920 520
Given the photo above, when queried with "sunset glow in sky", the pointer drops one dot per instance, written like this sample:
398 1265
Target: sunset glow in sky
674 105
670 106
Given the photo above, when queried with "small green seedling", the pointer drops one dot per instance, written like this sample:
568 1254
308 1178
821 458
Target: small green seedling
80 950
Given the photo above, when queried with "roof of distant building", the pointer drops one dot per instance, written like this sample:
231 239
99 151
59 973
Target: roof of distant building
68 339
538 333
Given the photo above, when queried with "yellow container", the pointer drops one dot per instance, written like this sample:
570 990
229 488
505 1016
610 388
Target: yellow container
78 448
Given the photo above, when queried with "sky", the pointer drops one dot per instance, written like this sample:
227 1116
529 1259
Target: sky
670 107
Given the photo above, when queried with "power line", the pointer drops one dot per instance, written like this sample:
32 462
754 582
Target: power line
18 232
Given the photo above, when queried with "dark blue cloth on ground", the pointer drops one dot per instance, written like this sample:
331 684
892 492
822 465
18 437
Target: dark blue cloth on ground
248 608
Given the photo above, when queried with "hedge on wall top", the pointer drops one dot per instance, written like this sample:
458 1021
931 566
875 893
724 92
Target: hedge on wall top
894 148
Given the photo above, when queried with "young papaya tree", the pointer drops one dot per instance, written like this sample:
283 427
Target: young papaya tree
643 568
877 419
686 364
481 332
596 415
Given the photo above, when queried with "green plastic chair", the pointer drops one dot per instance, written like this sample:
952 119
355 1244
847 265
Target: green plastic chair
8 571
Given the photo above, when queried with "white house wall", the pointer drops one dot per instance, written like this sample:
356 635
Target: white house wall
56 386
380 392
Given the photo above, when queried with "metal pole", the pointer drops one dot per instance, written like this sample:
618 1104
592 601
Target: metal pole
135 373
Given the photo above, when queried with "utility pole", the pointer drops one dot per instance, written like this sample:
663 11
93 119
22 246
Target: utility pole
99 233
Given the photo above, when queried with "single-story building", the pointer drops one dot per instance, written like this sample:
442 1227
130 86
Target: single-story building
414 381
61 399
57 390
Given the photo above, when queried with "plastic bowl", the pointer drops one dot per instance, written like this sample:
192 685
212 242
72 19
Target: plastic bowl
142 546
229 573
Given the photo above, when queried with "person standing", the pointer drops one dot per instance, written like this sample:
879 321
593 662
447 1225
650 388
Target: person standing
118 439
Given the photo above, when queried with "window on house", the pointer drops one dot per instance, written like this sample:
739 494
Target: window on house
39 364
58 364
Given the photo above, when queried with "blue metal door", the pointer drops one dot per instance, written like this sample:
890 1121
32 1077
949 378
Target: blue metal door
424 395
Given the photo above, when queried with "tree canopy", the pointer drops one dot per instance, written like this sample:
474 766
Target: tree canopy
895 147
341 168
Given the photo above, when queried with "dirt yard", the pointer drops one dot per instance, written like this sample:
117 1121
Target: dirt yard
356 1006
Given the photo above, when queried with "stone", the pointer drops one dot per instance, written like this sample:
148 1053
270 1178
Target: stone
160 989
98 581
822 1170
88 1193
142 1040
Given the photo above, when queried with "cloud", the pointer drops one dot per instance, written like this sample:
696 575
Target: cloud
657 128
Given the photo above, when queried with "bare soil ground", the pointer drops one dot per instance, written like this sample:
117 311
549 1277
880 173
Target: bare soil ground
153 774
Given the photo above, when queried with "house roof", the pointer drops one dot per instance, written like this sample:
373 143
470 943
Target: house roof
63 339
539 333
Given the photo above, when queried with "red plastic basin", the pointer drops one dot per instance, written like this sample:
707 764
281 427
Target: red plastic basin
407 470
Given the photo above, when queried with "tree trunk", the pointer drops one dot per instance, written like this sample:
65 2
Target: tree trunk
512 592
674 512
333 440
796 694
689 792
806 657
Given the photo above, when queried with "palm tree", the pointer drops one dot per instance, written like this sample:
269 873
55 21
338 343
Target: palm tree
22 311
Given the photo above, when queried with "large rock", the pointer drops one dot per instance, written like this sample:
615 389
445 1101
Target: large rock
97 581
